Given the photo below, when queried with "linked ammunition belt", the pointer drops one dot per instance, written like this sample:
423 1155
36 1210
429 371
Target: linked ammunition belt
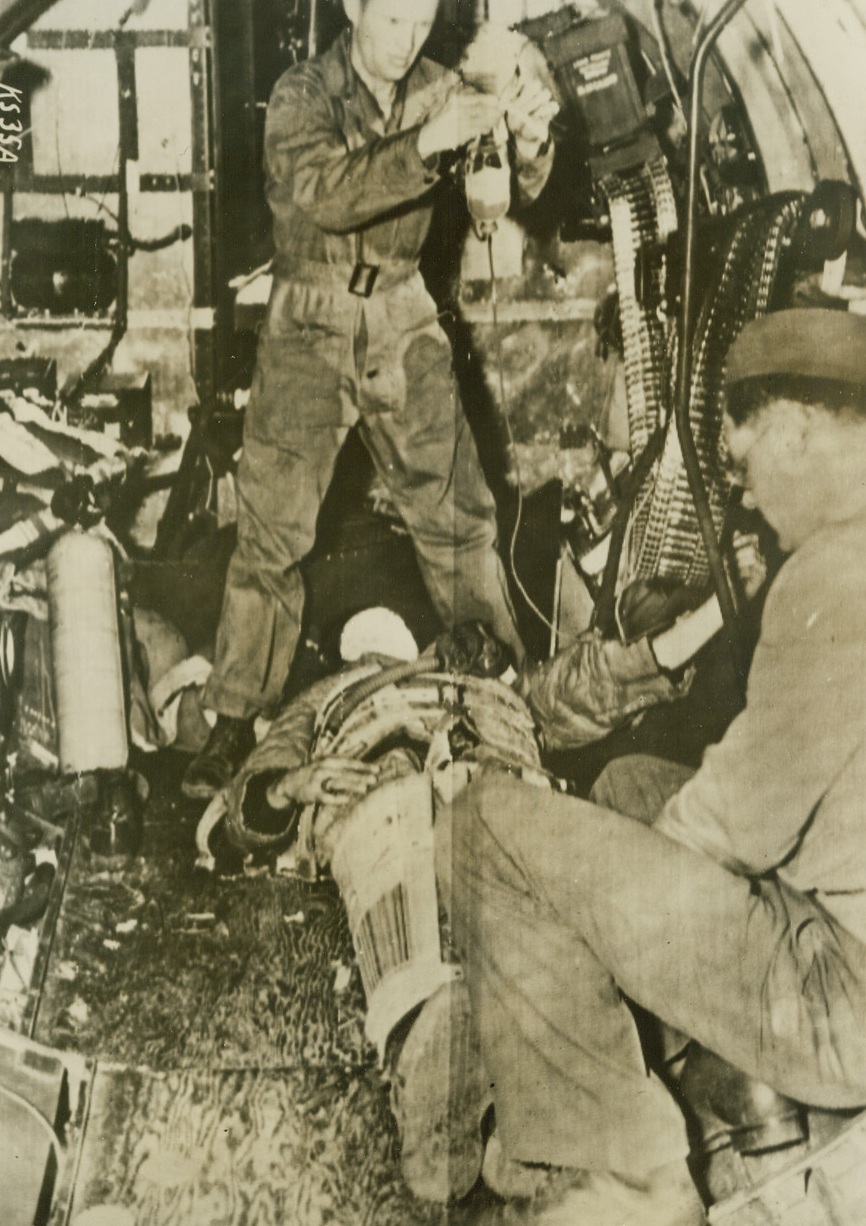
671 543
643 216
664 537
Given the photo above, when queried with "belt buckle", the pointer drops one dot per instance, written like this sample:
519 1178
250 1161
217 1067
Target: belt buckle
363 279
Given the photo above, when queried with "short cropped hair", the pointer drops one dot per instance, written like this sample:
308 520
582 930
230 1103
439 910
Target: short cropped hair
748 397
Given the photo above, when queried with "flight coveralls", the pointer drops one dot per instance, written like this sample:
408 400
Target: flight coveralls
347 187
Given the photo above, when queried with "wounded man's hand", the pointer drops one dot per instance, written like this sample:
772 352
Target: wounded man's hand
325 781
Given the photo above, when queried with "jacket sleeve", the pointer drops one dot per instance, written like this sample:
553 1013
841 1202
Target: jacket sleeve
309 164
533 173
286 746
592 687
753 798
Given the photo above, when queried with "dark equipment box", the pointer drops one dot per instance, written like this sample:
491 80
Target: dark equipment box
121 405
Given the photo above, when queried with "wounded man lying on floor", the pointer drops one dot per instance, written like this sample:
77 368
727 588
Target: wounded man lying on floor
589 689
353 768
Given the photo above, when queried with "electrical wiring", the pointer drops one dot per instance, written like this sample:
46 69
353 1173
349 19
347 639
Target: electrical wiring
181 232
99 201
503 396
115 168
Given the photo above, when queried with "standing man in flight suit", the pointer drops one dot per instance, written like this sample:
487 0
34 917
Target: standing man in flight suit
353 144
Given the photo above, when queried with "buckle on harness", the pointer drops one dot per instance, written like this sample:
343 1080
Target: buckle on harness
363 279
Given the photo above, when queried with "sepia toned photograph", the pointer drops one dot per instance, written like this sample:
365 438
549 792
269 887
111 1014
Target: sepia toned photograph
432 657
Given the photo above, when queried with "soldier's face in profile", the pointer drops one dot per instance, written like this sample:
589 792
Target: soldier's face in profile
770 458
389 34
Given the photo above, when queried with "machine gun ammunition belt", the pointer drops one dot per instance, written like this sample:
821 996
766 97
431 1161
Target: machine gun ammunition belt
670 545
643 215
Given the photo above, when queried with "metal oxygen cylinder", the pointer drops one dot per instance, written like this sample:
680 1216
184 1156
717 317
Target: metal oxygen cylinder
86 650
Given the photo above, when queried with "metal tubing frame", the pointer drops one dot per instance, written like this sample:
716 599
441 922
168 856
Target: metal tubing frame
687 324
312 39
205 218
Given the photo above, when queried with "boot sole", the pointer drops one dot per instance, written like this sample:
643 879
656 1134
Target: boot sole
439 1095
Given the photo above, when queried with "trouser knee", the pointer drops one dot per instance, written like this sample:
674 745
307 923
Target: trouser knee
639 786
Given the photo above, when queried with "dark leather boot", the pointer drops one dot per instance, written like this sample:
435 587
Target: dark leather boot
214 767
731 1108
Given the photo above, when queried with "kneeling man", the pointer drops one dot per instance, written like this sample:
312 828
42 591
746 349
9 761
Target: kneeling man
731 904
